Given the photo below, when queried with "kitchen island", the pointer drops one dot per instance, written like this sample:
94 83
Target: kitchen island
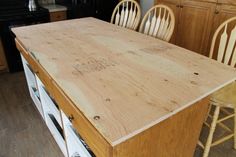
125 94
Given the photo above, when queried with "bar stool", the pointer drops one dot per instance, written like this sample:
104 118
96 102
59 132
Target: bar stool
225 98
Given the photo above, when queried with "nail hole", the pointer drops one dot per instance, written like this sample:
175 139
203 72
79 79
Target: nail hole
96 117
108 99
196 73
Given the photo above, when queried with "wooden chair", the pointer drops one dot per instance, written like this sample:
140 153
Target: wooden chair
159 22
225 98
127 14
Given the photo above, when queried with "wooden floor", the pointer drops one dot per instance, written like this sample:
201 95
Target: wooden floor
24 134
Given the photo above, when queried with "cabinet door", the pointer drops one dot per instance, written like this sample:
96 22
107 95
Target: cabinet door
174 5
222 13
194 26
3 64
229 2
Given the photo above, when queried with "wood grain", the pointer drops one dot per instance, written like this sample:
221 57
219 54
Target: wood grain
173 137
95 141
121 76
57 16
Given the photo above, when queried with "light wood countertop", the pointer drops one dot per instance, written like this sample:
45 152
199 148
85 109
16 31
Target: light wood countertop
122 81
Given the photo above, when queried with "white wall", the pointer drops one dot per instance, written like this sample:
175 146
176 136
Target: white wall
146 5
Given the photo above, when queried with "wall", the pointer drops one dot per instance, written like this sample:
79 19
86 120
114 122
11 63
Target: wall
146 5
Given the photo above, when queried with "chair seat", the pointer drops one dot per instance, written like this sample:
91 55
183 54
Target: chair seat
225 97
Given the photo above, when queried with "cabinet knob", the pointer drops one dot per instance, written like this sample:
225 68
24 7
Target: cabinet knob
181 6
217 12
71 118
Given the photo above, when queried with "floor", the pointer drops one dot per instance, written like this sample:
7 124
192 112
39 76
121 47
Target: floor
24 134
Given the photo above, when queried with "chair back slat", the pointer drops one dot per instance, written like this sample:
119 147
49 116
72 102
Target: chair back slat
222 45
165 28
147 25
153 23
226 51
133 19
161 29
130 15
117 17
136 22
122 15
230 46
233 61
127 14
158 22
160 26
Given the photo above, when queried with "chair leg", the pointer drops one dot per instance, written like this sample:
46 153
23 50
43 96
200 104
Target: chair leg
211 133
234 128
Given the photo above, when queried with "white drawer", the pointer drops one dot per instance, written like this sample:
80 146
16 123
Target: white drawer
56 132
30 76
35 97
76 146
47 103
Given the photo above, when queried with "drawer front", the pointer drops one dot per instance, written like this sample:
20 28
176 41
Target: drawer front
48 104
57 16
96 142
32 85
75 145
56 132
35 97
30 77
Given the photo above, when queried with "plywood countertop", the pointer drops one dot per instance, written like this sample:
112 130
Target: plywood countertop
124 82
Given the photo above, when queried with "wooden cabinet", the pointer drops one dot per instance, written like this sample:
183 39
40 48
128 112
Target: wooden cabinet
3 63
222 13
173 4
229 2
193 21
57 16
197 21
194 26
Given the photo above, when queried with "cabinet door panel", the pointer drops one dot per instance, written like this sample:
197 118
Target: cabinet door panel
194 26
174 5
3 64
223 13
229 2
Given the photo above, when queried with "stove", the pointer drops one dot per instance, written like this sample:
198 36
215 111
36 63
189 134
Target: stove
14 13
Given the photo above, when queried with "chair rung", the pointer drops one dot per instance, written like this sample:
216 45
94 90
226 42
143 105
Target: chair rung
225 127
225 118
222 140
200 144
225 111
221 125
207 124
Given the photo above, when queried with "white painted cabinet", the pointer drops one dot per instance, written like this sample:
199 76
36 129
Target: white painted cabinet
76 146
70 143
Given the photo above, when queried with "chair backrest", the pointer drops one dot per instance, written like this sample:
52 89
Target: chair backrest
225 38
159 22
127 14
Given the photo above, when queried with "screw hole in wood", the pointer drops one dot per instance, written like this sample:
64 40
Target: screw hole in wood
96 117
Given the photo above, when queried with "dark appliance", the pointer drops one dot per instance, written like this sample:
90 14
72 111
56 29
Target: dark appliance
15 13
101 9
